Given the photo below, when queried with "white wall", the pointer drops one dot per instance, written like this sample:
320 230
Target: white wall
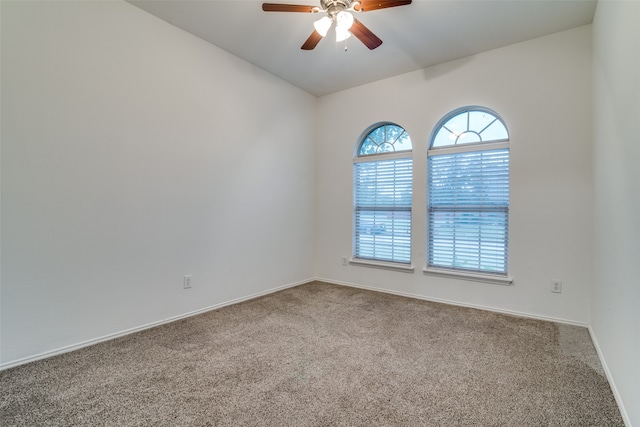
615 317
542 89
134 153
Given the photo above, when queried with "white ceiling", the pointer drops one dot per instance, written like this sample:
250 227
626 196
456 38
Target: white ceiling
419 35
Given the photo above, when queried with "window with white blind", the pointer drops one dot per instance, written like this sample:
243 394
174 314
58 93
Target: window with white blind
382 182
468 193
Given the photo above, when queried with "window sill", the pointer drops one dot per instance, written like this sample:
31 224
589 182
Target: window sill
405 268
476 277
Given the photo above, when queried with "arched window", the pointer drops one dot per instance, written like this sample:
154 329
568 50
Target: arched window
468 193
382 182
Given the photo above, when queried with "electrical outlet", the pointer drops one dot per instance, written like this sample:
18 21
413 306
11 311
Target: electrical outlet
556 286
345 260
186 283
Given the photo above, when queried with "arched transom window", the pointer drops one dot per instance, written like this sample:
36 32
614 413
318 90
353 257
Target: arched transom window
386 138
469 127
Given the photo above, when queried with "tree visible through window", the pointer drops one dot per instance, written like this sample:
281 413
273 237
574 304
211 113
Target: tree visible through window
468 192
382 181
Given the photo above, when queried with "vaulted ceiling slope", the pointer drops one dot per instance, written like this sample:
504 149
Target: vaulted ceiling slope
425 33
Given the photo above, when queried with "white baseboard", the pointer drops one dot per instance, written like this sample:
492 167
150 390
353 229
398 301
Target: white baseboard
72 347
457 303
612 384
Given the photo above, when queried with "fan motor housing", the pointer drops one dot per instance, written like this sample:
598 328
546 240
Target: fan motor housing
334 6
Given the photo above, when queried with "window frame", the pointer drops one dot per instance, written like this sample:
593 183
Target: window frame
358 158
502 278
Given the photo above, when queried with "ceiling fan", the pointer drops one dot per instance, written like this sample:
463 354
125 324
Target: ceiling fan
338 12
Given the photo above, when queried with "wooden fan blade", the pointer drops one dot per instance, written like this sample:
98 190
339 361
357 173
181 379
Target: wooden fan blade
312 41
365 35
278 7
369 5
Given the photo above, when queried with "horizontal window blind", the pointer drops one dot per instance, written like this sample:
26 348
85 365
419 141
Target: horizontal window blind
382 210
468 210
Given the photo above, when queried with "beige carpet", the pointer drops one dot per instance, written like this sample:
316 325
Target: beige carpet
323 355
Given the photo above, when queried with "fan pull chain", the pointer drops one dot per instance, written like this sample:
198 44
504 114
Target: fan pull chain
346 48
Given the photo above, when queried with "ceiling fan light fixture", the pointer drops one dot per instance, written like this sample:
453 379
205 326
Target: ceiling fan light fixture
322 25
342 34
344 19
